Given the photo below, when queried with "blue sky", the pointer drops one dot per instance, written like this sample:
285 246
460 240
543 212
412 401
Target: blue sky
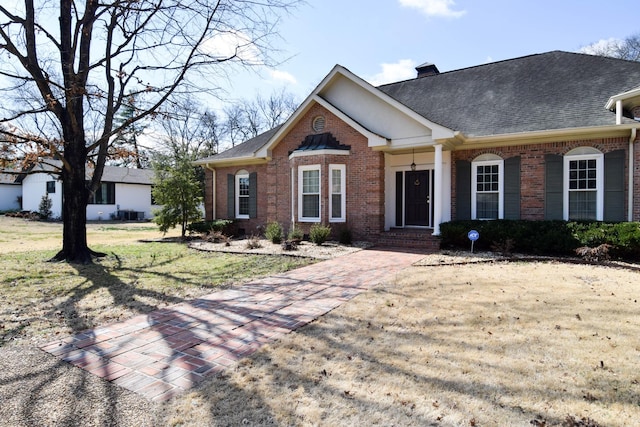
383 40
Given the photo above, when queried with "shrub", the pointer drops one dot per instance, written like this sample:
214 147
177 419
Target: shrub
218 225
44 209
295 234
597 254
217 237
273 232
253 242
319 234
546 237
345 237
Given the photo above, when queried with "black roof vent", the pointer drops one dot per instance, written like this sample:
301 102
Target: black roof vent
427 69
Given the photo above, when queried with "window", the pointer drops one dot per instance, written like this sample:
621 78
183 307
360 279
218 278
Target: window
337 203
487 195
51 187
309 193
242 195
104 195
583 183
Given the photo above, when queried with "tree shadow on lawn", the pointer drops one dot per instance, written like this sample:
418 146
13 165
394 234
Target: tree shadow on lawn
395 370
170 355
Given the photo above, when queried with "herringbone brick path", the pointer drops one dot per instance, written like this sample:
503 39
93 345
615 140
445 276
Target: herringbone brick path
165 352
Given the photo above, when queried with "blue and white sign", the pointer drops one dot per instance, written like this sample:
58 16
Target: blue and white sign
473 235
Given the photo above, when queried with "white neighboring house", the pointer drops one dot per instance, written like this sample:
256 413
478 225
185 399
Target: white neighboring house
124 194
10 192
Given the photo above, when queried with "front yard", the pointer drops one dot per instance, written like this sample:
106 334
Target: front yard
519 343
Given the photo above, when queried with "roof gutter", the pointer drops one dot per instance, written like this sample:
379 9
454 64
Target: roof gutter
555 135
632 139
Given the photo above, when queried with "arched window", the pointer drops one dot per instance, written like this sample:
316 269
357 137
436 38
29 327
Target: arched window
487 187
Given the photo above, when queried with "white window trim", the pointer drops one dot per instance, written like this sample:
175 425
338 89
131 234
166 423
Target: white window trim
301 170
343 193
474 186
599 158
239 176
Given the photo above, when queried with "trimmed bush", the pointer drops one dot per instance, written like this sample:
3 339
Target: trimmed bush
218 225
545 237
273 232
295 234
319 234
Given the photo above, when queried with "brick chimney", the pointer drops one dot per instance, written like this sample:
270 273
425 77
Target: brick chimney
427 69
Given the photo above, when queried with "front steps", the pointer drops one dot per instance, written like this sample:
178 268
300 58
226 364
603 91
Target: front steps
410 238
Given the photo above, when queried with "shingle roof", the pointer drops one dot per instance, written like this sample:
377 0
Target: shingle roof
245 149
109 173
554 90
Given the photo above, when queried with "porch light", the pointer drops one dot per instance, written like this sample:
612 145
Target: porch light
413 160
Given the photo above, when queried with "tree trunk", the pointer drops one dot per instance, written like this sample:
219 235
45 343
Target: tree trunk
75 196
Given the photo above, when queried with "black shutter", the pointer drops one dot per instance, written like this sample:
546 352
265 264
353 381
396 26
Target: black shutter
231 196
253 195
463 190
512 188
614 186
553 182
399 206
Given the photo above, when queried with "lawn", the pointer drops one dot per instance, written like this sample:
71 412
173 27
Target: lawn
505 343
41 299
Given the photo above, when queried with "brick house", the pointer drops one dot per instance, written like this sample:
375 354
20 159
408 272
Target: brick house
546 136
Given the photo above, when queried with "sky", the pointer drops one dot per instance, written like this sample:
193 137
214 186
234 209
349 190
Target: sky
384 40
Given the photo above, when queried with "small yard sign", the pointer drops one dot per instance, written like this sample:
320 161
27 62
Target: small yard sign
473 235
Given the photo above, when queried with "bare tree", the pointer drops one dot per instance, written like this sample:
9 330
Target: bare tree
71 66
249 118
189 131
628 49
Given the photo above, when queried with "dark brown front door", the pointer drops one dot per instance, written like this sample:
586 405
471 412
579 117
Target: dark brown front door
417 198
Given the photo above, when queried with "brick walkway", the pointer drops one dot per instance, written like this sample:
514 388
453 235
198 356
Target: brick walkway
163 353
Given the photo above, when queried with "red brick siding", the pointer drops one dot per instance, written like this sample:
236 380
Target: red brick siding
364 180
532 168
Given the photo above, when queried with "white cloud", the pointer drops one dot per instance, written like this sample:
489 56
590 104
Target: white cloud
282 77
227 45
434 7
602 47
402 70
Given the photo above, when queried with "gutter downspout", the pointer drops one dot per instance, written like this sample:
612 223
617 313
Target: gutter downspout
213 191
632 139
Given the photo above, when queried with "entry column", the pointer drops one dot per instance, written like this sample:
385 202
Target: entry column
437 190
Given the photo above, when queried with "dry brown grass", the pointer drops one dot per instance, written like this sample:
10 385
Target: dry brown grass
22 235
491 344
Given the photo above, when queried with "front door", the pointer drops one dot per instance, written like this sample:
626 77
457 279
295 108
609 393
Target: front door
417 198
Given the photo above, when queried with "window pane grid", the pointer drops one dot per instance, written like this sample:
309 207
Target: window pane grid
487 178
487 194
582 175
311 182
310 194
242 195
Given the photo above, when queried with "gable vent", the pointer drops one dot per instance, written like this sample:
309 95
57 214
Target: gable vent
318 124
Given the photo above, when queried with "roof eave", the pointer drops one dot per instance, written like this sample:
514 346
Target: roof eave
232 161
552 135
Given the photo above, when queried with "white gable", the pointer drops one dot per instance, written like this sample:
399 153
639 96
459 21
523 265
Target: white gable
378 112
